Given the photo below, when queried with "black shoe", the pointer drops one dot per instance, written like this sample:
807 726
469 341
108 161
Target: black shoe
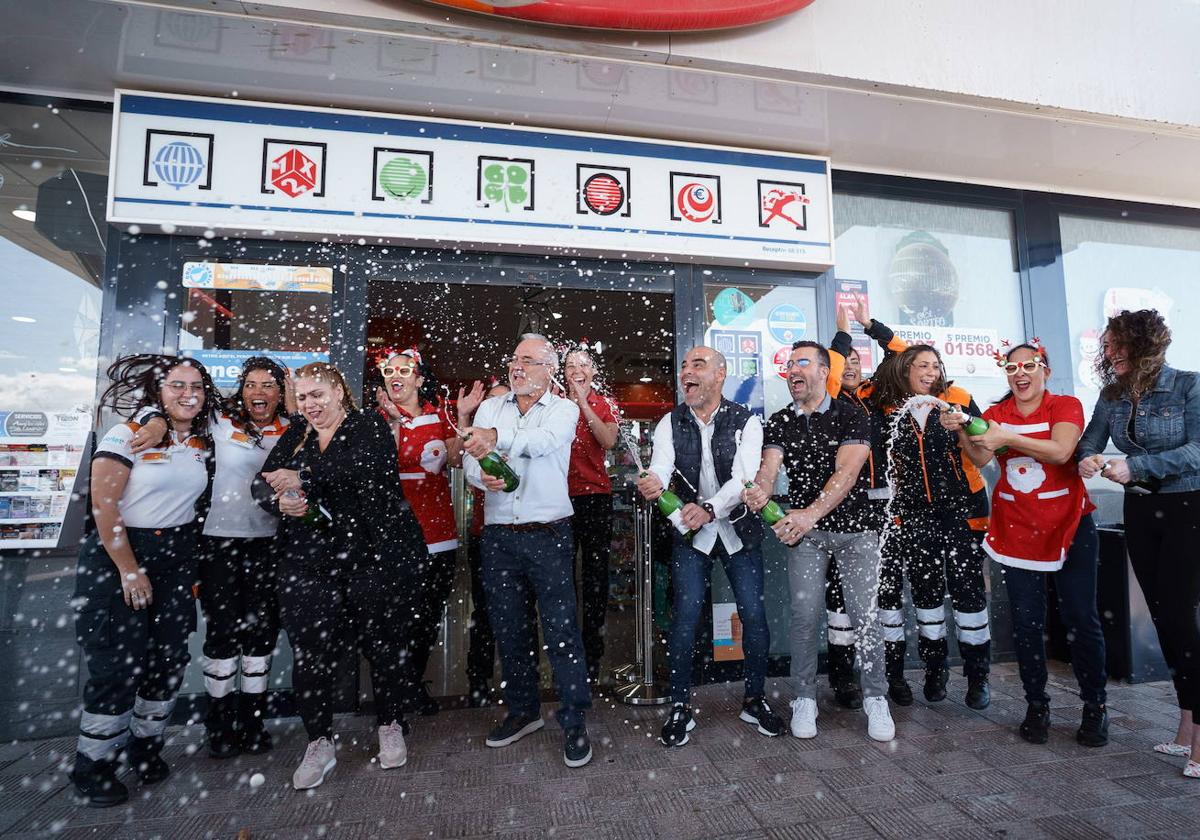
1093 730
848 695
221 723
936 677
1036 727
252 731
96 782
577 747
979 693
756 711
480 695
143 756
423 704
679 724
900 691
513 728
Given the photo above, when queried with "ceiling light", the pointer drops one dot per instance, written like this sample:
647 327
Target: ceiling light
26 215
24 319
69 370
645 379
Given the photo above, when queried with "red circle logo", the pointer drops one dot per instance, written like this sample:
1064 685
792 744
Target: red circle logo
603 194
696 202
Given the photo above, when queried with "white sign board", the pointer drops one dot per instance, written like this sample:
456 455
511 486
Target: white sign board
965 351
257 169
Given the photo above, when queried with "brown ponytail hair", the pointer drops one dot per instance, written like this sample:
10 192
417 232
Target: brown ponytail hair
331 375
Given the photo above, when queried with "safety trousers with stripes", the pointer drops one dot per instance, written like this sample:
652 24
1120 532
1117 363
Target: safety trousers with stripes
938 552
241 613
135 658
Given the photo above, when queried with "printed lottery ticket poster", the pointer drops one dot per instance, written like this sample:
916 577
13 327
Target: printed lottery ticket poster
727 633
40 454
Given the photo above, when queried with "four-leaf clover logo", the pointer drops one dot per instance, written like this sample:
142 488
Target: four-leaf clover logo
507 184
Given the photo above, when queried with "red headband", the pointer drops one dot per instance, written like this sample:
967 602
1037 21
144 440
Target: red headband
385 353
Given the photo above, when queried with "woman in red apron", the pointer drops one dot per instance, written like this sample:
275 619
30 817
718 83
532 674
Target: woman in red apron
1041 524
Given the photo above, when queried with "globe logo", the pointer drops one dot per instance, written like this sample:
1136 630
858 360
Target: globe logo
179 164
403 179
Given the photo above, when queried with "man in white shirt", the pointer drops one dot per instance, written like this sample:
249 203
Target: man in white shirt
528 549
714 446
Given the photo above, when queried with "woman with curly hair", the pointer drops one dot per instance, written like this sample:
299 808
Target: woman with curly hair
1151 413
136 569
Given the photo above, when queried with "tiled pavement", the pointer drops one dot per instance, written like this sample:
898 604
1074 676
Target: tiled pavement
951 773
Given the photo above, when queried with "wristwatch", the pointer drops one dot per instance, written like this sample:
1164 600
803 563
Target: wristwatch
712 514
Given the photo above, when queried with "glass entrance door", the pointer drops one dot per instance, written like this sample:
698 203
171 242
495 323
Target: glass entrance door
464 314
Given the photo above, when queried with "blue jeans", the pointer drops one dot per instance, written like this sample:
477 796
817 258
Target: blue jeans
521 568
691 572
1075 584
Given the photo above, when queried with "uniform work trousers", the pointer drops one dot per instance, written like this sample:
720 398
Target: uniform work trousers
135 658
241 612
436 579
521 568
1162 532
691 573
939 553
592 526
1075 584
808 562
328 614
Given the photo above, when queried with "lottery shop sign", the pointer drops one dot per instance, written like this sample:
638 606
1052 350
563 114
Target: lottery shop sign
254 169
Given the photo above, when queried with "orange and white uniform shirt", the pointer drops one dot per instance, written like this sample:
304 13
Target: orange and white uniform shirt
1036 507
421 450
164 481
234 513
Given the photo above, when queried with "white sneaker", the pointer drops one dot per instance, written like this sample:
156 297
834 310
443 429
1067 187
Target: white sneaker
392 750
319 759
880 726
804 718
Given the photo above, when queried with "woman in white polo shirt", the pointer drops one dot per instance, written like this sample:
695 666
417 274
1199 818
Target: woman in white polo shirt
237 563
137 566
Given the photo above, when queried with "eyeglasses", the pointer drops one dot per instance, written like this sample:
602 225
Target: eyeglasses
1028 366
179 387
261 386
524 361
403 372
797 363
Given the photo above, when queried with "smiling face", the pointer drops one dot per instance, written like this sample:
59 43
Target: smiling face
261 396
1027 387
852 374
701 376
806 375
404 384
320 401
924 373
1117 355
183 394
580 368
530 368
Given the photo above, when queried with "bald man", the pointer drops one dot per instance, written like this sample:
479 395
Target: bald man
713 446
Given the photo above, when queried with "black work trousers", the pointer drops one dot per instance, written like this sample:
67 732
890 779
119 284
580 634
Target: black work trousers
435 579
592 526
481 653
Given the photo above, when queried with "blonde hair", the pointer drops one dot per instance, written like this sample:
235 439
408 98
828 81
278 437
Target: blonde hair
330 374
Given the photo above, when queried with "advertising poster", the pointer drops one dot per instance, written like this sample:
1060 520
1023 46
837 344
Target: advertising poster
225 366
40 454
965 351
727 633
849 293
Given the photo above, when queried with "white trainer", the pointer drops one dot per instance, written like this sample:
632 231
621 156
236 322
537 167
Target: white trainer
804 718
880 725
319 759
392 750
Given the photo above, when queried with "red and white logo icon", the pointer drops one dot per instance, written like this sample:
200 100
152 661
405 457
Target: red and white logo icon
782 204
602 190
696 198
294 169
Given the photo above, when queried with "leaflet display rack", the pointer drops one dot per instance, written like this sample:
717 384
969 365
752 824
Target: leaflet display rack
40 454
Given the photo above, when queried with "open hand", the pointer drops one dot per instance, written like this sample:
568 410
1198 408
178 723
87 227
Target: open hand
136 589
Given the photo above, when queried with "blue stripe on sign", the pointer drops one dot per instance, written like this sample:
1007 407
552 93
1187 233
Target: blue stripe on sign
399 126
467 221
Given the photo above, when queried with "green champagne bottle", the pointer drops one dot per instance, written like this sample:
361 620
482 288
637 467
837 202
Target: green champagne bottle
496 467
977 426
316 516
771 512
671 506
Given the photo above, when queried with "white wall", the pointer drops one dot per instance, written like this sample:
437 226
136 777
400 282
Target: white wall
1128 59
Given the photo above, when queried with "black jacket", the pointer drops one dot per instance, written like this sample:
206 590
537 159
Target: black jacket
356 480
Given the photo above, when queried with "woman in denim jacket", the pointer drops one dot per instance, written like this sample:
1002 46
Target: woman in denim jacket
1152 414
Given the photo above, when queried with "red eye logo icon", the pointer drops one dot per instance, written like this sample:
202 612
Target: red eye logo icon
696 202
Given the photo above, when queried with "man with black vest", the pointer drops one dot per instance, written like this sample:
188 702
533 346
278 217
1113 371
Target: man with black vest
713 446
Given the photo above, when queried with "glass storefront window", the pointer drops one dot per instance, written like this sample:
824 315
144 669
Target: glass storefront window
940 274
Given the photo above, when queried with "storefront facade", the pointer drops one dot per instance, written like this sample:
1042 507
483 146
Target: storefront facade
126 254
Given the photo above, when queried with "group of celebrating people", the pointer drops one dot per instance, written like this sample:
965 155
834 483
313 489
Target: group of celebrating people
287 506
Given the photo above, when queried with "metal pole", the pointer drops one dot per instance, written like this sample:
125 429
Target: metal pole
644 690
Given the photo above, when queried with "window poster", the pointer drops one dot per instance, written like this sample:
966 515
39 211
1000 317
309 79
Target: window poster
40 453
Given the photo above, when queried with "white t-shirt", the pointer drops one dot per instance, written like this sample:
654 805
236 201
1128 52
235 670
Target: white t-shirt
234 513
164 482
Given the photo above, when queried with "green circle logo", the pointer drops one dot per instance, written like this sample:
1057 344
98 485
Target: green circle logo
402 179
